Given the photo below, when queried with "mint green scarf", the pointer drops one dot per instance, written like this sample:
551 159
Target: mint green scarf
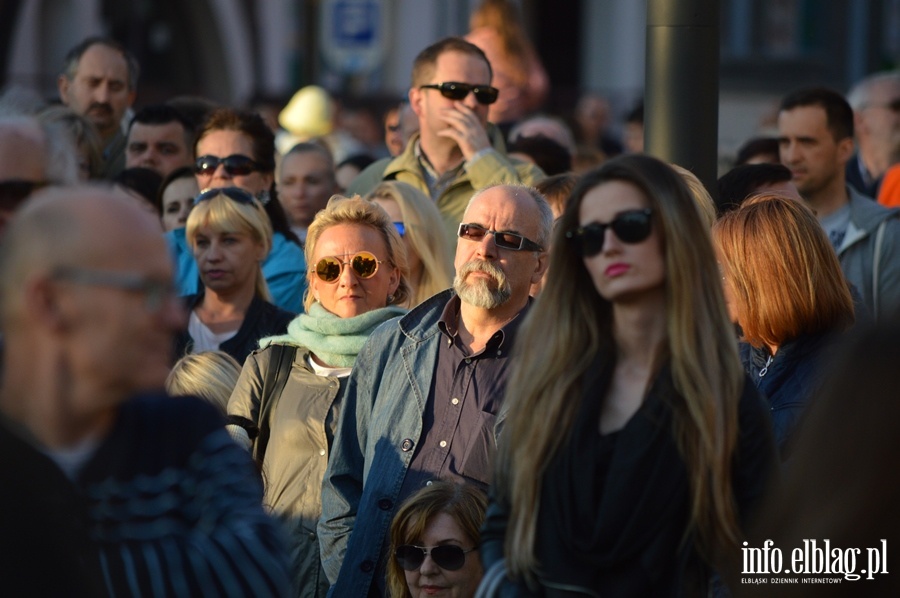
334 340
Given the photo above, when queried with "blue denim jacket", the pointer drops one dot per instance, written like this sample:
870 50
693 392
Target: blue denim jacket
378 430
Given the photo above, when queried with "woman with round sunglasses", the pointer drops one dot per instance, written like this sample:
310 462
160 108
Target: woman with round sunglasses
417 220
287 401
787 292
434 542
632 446
230 236
237 149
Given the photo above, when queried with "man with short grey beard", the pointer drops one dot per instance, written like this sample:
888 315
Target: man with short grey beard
422 399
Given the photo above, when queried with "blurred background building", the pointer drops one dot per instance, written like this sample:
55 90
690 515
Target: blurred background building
233 51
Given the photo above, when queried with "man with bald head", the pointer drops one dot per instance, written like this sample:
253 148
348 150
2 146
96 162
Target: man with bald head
422 398
170 503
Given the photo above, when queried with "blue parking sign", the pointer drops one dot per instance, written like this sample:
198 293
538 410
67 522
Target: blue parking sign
355 24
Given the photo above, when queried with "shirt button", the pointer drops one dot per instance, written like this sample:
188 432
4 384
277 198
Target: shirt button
429 483
322 452
367 566
443 443
385 504
312 536
468 360
455 401
406 445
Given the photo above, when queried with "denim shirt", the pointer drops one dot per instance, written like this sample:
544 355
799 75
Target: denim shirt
378 430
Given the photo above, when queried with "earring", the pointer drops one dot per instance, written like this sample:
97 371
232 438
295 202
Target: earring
390 299
263 197
316 295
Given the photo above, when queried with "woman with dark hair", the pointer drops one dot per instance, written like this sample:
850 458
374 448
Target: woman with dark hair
434 542
632 446
786 290
237 149
176 197
230 236
287 401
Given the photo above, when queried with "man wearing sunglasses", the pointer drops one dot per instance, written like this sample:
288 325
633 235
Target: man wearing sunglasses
114 482
456 150
422 399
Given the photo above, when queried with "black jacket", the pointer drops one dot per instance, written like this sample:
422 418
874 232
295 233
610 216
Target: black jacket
262 319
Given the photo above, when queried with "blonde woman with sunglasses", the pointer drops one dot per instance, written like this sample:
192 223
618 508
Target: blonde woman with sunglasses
357 277
230 236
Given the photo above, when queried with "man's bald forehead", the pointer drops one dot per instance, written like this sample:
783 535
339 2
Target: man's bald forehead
94 206
78 221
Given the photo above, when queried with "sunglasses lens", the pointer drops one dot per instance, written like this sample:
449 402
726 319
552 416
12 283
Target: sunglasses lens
589 239
364 264
409 558
206 164
632 227
454 91
486 95
238 165
328 269
508 240
449 557
471 232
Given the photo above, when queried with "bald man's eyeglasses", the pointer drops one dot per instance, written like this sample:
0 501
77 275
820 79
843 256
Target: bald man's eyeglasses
155 292
484 94
511 241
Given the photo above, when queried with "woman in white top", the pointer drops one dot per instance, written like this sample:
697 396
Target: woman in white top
230 236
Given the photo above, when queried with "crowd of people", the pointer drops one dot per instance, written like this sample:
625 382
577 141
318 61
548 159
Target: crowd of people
499 352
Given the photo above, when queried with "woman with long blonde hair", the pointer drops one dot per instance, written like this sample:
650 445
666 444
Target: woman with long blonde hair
632 446
416 219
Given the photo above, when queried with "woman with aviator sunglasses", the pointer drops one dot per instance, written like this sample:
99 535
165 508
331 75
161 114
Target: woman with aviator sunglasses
633 445
237 149
287 401
434 542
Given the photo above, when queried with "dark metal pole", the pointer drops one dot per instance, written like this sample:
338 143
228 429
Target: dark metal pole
681 105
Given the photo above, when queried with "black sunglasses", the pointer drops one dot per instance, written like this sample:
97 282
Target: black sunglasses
446 556
14 192
235 164
511 241
233 193
484 94
630 227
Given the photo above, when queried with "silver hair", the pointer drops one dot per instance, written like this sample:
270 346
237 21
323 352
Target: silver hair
860 95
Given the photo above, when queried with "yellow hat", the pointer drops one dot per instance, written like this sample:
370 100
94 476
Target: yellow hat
308 114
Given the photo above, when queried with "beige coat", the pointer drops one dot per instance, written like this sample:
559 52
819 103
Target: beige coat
302 424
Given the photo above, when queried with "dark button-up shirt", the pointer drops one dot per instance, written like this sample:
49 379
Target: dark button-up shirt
458 423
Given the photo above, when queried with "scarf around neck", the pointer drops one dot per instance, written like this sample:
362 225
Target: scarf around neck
333 339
